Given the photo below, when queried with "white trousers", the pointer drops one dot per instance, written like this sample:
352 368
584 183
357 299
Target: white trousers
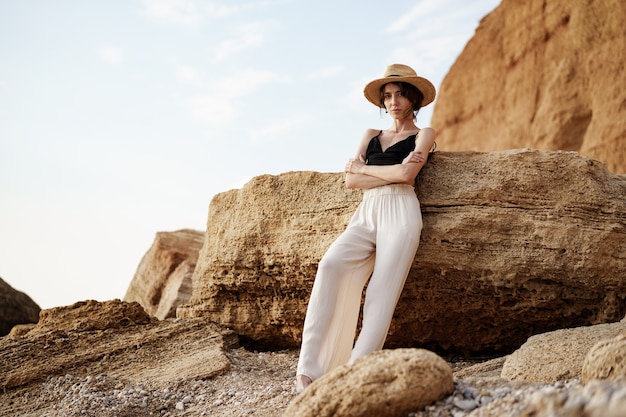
380 241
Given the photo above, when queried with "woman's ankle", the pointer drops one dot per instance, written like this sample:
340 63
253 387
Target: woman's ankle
302 382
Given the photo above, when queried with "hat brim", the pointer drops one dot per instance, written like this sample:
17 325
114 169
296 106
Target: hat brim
372 89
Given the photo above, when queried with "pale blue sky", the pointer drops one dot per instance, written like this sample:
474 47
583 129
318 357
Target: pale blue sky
122 118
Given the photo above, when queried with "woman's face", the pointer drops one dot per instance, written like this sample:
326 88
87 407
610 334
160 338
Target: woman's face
397 105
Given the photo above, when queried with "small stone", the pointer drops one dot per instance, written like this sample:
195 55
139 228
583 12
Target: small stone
485 399
501 392
465 404
470 392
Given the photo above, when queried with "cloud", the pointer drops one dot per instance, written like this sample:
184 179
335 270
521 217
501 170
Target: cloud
271 131
220 101
420 14
244 36
237 84
327 72
188 75
426 19
181 12
196 12
111 55
245 82
211 109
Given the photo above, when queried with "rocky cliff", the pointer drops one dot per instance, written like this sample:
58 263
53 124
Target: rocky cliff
514 243
540 74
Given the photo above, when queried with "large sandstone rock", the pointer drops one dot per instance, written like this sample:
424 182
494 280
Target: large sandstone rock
606 360
15 308
116 338
514 243
545 75
385 383
163 279
558 355
262 246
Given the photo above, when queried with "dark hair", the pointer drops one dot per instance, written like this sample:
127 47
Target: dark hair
412 93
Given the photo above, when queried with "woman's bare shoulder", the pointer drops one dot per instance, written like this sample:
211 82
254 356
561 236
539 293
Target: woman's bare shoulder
427 133
372 132
425 139
368 135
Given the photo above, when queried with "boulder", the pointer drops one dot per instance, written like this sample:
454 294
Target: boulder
606 360
384 383
558 355
118 339
163 279
543 75
514 243
15 308
90 315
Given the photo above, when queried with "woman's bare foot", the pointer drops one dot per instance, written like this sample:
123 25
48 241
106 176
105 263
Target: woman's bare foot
302 382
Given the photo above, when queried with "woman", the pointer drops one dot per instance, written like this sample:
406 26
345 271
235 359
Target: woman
381 238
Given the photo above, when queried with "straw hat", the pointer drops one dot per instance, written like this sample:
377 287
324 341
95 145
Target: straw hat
396 73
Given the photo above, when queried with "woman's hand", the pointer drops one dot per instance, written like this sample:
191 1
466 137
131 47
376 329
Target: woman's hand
356 166
414 156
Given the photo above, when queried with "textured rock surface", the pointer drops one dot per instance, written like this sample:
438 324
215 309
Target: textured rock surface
262 247
15 308
89 338
385 383
163 279
597 399
514 243
90 315
544 75
257 383
606 360
558 355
